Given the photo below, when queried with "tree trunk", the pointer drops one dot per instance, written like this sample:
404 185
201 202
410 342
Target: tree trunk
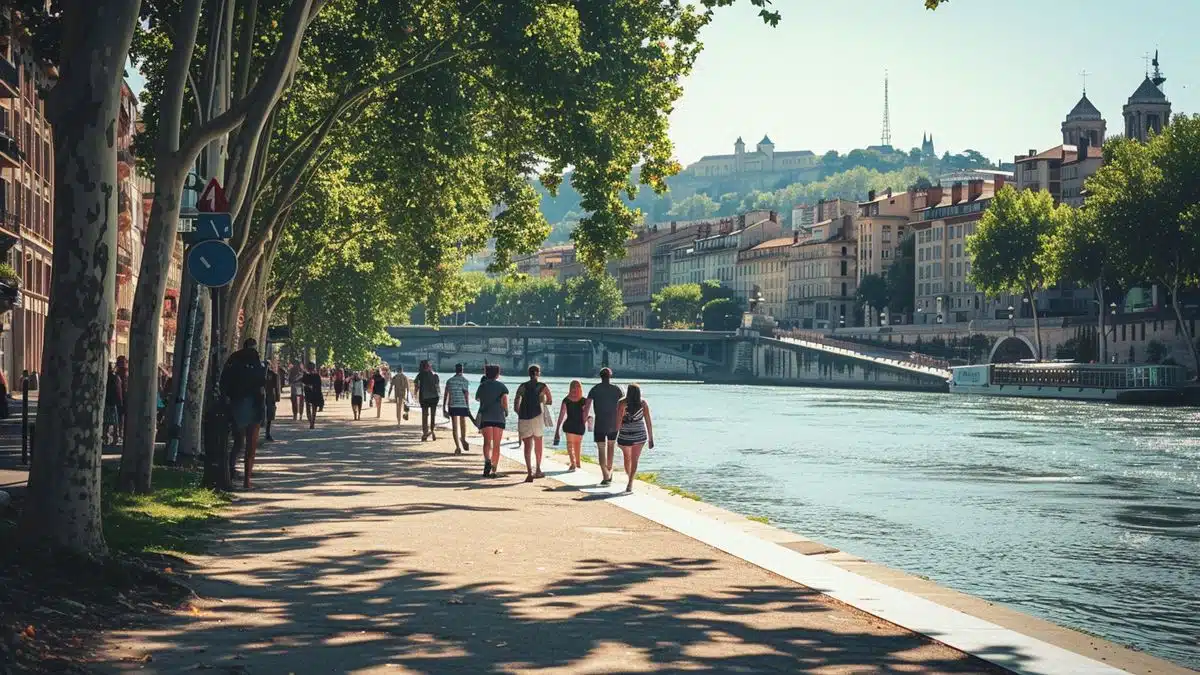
145 329
1098 287
1183 326
191 438
145 326
1037 323
63 506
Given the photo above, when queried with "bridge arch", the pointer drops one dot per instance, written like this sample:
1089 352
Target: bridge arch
1012 349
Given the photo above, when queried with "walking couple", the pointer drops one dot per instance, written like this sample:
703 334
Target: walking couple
616 420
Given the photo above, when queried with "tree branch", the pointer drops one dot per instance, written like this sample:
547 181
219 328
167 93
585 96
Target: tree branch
265 91
246 49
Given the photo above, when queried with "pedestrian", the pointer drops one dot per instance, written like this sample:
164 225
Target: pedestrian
571 421
428 392
379 389
603 400
356 395
339 383
493 412
636 430
274 389
112 405
401 388
313 399
123 379
457 407
531 396
295 375
243 384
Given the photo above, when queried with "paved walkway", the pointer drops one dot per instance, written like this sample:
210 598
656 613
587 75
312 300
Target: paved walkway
367 551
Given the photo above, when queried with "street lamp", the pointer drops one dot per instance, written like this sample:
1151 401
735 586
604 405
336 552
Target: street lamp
842 321
1012 324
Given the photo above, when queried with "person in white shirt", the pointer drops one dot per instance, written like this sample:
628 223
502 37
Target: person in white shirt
357 391
457 407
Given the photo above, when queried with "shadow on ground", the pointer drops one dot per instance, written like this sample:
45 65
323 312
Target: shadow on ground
357 610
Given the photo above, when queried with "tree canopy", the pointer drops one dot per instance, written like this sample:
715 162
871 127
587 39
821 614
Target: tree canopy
677 305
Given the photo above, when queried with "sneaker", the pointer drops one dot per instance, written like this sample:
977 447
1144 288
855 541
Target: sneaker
487 468
606 481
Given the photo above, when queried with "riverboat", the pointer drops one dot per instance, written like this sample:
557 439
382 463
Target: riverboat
1080 381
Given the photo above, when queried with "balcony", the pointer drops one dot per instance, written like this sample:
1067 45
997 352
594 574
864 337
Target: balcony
124 314
10 223
10 151
10 81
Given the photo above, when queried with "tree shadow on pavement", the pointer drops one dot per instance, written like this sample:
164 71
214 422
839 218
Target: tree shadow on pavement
296 604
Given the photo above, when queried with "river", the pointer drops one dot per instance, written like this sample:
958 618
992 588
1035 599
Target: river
1084 514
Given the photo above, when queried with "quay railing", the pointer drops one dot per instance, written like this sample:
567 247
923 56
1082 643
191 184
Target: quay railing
911 360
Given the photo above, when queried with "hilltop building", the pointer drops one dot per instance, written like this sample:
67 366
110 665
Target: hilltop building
763 168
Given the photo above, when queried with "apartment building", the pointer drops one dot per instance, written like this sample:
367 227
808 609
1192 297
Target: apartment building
26 199
762 272
943 219
882 222
804 216
633 275
822 276
714 253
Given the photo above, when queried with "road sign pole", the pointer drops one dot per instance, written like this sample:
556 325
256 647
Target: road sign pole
190 292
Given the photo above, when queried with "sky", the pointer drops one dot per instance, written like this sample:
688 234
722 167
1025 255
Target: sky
995 76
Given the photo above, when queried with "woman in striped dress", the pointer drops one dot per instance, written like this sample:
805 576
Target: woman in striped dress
636 430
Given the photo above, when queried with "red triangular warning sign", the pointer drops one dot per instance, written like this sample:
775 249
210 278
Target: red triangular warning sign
213 200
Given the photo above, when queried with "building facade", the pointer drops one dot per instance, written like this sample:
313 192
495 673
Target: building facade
131 222
882 222
943 219
26 201
762 273
714 253
822 277
805 216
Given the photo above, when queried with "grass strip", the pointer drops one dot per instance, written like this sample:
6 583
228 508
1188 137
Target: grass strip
174 518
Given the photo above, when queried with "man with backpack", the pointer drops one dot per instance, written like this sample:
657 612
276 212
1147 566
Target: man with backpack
243 384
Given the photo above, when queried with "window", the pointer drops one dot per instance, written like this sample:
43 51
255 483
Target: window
844 274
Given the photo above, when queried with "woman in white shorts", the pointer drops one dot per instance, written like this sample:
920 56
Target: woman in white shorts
531 396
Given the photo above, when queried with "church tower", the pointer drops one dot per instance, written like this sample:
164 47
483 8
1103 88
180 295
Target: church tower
927 150
1148 109
1084 123
739 155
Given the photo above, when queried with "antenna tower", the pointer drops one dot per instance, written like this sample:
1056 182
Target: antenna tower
885 138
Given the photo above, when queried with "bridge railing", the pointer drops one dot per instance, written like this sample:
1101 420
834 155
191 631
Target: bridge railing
901 358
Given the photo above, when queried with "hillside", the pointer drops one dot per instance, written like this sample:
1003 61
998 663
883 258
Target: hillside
849 176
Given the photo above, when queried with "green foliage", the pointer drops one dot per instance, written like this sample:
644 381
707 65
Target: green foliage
522 300
1144 205
1078 251
722 314
595 298
695 207
873 292
1007 247
677 305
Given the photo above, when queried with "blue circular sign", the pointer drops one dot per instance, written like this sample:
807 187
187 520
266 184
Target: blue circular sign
212 263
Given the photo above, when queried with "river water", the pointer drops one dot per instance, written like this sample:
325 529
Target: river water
1085 514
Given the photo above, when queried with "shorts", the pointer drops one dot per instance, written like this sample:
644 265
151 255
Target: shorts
602 436
429 404
491 425
356 401
529 428
460 412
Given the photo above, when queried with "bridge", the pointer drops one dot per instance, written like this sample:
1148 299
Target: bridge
741 356
704 347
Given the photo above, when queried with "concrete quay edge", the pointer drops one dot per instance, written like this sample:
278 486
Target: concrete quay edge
975 626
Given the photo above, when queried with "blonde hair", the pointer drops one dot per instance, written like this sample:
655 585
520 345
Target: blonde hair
576 386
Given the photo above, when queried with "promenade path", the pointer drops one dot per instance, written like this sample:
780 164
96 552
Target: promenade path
364 550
